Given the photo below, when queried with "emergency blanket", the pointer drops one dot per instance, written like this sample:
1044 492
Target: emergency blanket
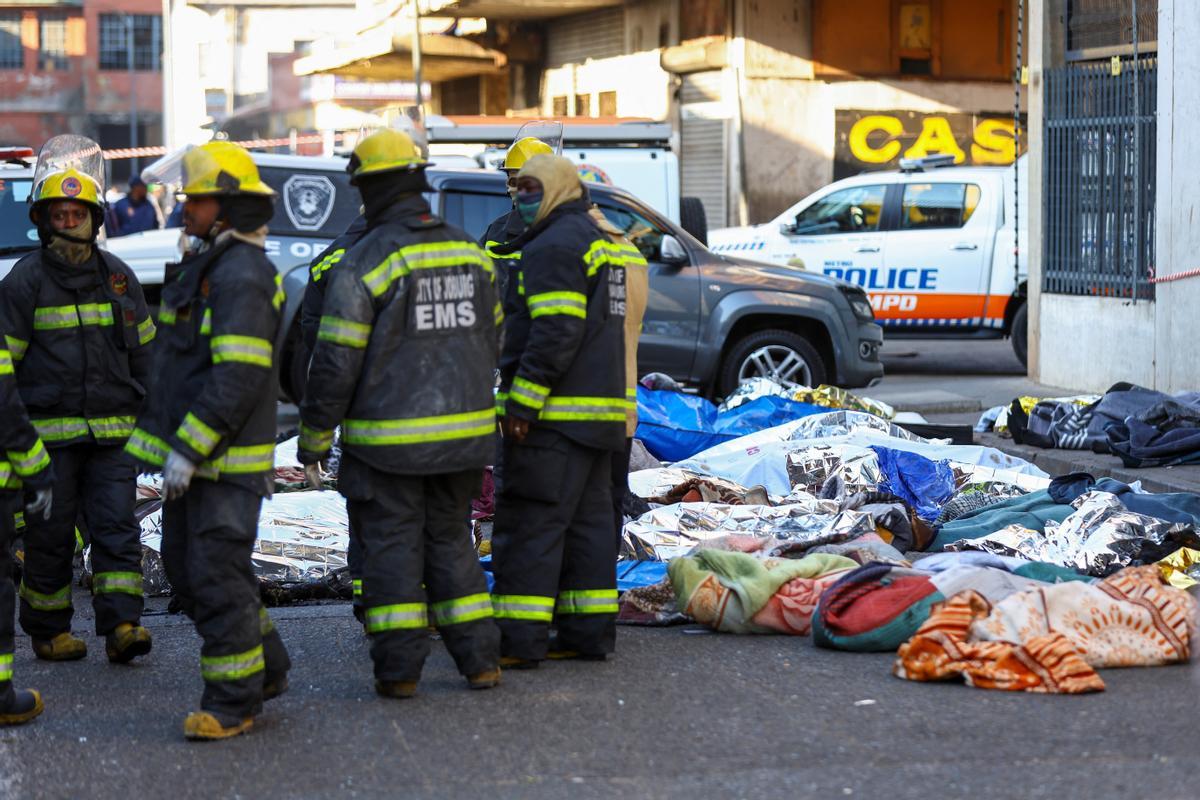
1098 538
832 397
1053 638
741 593
674 425
1181 569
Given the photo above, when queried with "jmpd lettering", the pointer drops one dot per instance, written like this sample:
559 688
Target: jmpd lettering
921 279
894 302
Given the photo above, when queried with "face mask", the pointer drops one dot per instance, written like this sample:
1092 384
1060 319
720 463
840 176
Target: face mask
528 205
74 252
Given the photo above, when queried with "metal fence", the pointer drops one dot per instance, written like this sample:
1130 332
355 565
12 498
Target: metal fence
1099 179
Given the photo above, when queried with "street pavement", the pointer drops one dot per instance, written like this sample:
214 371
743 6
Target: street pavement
677 713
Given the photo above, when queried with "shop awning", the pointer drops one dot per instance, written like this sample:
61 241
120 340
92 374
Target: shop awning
384 53
516 9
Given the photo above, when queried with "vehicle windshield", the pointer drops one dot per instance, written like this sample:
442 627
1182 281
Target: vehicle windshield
17 233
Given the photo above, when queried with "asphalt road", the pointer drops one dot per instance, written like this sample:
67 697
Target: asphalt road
677 713
949 357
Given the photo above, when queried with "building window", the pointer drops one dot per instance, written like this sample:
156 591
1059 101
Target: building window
559 106
52 41
147 42
12 54
608 104
583 105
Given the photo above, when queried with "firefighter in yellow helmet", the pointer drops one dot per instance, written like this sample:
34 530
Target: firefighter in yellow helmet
210 426
404 362
79 331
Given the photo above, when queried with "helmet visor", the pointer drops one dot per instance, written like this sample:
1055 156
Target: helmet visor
70 151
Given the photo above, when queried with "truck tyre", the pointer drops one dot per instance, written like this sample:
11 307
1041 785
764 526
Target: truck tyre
693 219
1020 334
785 356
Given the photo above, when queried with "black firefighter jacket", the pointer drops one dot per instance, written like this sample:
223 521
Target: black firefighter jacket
23 458
320 275
214 400
563 362
80 338
406 352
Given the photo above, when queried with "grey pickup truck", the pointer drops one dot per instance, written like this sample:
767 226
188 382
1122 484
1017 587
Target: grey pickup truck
712 320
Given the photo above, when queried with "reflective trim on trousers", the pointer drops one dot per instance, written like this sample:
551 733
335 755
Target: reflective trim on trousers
234 667
462 609
398 616
265 625
123 582
587 601
6 667
531 608
56 601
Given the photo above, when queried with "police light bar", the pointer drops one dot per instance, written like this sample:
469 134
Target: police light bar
15 153
926 162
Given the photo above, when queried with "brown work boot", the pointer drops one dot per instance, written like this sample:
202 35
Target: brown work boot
26 705
484 680
63 647
274 685
203 726
127 642
397 689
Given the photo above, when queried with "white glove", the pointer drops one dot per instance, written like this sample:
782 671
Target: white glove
312 476
43 500
177 475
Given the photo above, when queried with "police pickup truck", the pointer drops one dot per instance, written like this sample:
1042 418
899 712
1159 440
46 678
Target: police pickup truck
932 244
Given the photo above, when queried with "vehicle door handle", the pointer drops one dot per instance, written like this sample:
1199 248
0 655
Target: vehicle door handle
866 250
965 246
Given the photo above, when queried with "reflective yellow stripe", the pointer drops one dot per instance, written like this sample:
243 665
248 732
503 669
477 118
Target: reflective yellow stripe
528 393
6 363
280 296
61 429
6 667
166 316
571 304
587 601
419 430
462 609
206 323
241 350
117 582
501 397
16 346
55 601
604 252
111 427
325 264
345 332
498 313
29 462
399 616
435 255
245 460
198 435
52 318
490 249
265 625
8 476
584 409
147 448
356 588
234 667
146 331
531 608
313 440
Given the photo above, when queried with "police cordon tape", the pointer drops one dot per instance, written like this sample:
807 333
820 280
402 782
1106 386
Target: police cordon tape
249 144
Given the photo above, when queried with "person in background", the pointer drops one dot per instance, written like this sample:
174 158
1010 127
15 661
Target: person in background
135 212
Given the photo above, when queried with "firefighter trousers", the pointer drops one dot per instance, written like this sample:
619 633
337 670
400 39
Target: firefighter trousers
8 597
415 529
554 551
207 539
99 484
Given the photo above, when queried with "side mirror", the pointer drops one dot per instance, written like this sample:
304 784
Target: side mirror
671 251
787 228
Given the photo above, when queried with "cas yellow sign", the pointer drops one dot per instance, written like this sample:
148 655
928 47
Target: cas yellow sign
871 140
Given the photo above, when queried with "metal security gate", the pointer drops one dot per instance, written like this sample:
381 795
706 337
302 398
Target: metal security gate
1099 178
704 143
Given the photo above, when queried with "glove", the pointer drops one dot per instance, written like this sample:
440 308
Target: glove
43 500
177 475
312 476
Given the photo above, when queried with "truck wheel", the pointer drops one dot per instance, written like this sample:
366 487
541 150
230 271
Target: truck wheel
1020 334
783 356
693 219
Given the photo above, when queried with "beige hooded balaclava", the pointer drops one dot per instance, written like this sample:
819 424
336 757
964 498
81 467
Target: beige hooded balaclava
559 179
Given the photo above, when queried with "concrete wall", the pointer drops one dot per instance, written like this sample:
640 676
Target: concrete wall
1090 343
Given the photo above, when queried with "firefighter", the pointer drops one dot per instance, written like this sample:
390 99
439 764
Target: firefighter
23 460
210 425
79 332
509 226
564 410
404 362
320 275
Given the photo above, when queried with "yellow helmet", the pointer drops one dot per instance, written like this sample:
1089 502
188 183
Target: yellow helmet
384 150
221 168
524 149
70 184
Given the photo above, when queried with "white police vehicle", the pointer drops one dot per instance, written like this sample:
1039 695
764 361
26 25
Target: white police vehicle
931 243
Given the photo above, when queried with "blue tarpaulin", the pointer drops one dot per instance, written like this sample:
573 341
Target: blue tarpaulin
675 426
924 484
